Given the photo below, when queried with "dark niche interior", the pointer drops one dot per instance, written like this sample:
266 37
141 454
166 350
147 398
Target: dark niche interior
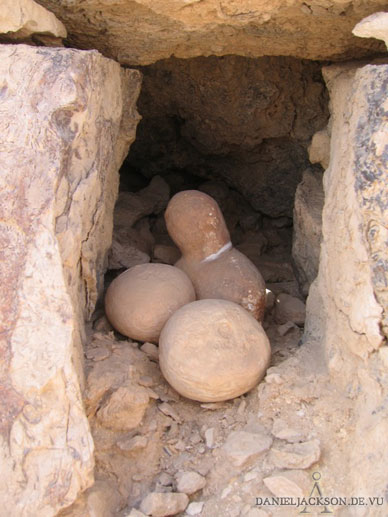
233 127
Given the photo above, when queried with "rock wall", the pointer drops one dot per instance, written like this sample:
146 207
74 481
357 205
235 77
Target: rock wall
347 303
145 31
245 121
67 118
307 229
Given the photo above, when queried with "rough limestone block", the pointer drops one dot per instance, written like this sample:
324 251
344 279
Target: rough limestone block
347 306
146 31
373 26
307 232
60 116
25 17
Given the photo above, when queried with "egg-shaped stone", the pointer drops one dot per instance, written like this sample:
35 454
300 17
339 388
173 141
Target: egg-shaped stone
140 301
213 350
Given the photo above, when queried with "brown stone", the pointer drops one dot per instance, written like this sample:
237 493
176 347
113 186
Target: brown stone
217 270
139 301
289 308
166 254
124 409
213 350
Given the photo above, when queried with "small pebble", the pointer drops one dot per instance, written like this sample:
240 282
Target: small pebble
168 410
135 513
161 504
195 508
250 476
209 437
190 482
226 491
151 350
98 354
273 378
132 444
146 381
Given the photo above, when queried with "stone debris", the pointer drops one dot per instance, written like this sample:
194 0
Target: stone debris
282 330
151 350
209 437
146 381
195 508
102 324
290 483
213 406
164 504
98 354
242 407
165 479
242 448
297 455
123 255
290 308
273 271
135 513
283 431
256 512
124 409
307 231
273 378
168 410
190 482
132 240
132 444
250 476
166 254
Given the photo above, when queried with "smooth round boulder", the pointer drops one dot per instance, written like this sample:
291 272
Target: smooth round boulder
213 350
140 301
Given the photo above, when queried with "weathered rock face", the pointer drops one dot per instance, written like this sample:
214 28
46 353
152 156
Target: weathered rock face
348 301
242 120
374 26
145 31
306 245
20 19
62 143
26 17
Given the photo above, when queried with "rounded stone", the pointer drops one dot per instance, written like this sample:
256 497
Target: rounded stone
213 350
196 224
140 301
